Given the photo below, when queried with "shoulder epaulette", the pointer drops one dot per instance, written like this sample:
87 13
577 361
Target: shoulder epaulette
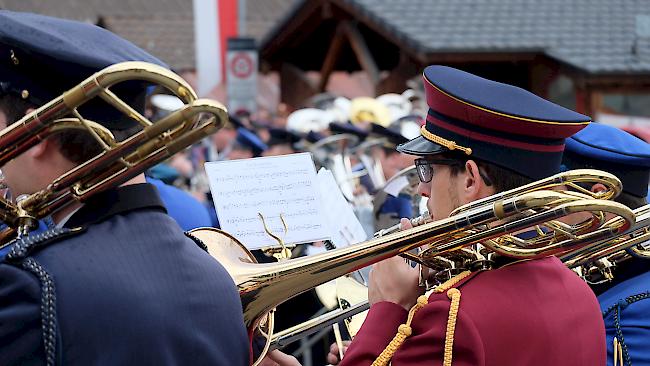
23 247
19 256
405 330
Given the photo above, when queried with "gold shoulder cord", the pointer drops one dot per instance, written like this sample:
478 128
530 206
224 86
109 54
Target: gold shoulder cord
405 330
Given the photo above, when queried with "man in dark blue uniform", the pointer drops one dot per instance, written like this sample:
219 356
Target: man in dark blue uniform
117 283
624 301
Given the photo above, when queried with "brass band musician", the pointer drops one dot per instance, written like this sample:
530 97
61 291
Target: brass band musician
624 299
482 137
117 282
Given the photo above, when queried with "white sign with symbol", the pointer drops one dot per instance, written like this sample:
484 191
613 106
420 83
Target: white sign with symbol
241 78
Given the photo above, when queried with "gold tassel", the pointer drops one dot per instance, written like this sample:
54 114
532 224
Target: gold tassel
405 330
618 352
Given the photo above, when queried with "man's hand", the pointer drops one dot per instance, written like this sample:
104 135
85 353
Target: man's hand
279 358
333 356
394 280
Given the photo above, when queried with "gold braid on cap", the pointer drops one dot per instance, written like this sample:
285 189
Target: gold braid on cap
451 145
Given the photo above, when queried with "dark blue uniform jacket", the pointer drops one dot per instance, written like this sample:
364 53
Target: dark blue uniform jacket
129 289
626 305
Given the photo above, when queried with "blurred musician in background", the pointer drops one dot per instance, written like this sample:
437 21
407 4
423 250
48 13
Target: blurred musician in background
389 207
219 145
481 138
282 142
118 283
624 300
246 145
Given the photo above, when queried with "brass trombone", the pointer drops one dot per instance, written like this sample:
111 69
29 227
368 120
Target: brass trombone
570 179
264 286
458 260
119 161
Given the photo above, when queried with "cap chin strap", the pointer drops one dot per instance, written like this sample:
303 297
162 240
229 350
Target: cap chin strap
451 145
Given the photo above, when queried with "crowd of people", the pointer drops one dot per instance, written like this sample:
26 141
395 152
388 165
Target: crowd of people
370 129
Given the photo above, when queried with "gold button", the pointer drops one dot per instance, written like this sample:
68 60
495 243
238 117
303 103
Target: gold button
24 94
13 57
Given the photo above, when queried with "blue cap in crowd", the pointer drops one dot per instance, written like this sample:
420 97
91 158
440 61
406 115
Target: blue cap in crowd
248 140
391 135
41 57
349 128
281 136
494 122
613 150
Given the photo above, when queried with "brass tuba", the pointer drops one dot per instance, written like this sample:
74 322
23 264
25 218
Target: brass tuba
264 286
119 161
595 263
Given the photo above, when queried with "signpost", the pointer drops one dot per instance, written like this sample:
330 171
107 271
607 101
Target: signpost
241 75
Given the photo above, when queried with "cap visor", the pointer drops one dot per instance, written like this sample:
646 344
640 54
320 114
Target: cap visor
421 146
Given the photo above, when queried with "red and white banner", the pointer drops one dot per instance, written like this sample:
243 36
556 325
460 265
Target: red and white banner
214 22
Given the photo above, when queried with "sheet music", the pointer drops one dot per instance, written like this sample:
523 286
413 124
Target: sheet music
344 226
395 186
272 186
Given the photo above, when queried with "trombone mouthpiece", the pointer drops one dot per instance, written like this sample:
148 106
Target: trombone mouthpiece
416 221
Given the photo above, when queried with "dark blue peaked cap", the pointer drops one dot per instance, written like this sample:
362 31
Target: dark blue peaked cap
613 150
498 123
393 137
249 140
41 57
280 136
337 127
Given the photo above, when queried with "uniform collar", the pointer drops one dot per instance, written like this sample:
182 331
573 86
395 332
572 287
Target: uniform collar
116 201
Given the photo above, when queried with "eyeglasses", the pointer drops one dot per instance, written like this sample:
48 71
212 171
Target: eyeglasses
425 171
424 167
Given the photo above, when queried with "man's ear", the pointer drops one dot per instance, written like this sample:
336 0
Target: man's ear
473 183
41 149
598 187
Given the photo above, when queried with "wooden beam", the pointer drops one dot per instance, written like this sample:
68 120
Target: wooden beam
300 25
541 75
408 46
295 86
331 58
584 101
395 80
361 50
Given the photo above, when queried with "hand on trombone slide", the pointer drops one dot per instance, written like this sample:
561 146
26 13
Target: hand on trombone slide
279 358
333 358
394 280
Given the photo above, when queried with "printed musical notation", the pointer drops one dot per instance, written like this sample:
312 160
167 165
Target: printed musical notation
272 186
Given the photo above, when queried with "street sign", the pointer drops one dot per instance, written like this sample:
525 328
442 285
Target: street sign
241 75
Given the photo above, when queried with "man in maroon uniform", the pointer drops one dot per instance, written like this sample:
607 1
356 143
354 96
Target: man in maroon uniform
482 137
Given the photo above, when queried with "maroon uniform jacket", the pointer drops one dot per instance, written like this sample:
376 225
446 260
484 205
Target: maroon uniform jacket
528 313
